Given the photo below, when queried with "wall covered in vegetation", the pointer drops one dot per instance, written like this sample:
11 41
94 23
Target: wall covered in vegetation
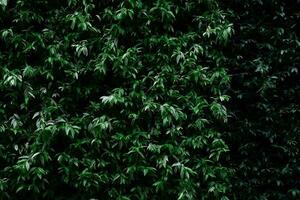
145 100
264 134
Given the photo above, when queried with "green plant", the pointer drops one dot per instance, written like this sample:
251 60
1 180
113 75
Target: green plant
113 100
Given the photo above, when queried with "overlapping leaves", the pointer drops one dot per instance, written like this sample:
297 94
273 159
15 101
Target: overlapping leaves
113 100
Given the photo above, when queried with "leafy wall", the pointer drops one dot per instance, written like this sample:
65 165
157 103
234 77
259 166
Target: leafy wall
264 128
115 99
149 99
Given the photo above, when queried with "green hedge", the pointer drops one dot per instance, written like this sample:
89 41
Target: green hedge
113 100
263 133
165 99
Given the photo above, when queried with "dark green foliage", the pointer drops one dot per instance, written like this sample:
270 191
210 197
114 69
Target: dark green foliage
264 135
129 99
113 100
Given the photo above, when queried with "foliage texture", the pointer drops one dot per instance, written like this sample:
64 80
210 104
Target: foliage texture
264 135
113 100
163 99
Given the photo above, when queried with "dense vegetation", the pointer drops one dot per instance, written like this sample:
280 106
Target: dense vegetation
264 132
164 99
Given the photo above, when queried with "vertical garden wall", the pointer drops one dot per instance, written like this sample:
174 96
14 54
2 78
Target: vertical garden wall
263 132
113 100
164 99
